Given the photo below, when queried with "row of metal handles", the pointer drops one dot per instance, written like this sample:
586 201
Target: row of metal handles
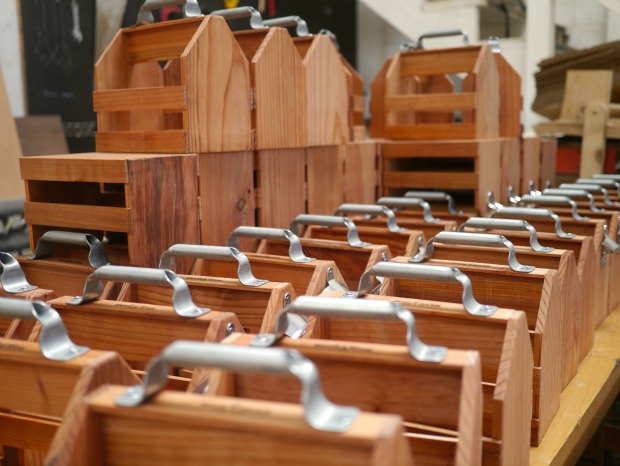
320 413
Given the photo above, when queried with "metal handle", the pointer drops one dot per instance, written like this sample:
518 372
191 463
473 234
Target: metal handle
605 176
493 42
12 276
409 203
301 28
295 250
607 183
574 194
181 297
473 239
256 20
319 412
373 210
609 245
443 33
223 253
436 196
354 309
547 199
191 9
54 341
428 273
332 36
330 221
525 212
483 223
591 188
97 256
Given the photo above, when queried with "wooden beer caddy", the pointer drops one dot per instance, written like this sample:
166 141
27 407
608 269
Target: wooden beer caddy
538 296
455 250
352 261
38 392
308 276
135 330
170 427
366 375
505 351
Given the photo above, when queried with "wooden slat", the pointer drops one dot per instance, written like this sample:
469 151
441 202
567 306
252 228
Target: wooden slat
455 180
98 170
431 131
154 98
448 61
451 149
77 216
445 102
26 432
161 142
161 41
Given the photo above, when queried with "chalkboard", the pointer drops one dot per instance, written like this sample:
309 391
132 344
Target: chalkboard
59 44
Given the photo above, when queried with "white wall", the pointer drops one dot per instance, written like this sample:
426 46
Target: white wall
10 55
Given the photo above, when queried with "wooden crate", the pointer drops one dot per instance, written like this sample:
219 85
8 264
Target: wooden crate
510 167
325 168
388 379
510 98
466 166
538 296
410 222
142 203
18 328
198 103
38 393
417 98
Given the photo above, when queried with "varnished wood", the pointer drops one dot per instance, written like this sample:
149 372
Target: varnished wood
368 376
361 177
18 328
325 167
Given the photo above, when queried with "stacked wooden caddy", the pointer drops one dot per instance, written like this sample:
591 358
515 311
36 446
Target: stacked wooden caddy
439 378
463 135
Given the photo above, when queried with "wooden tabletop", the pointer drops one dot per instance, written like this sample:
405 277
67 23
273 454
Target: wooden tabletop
585 400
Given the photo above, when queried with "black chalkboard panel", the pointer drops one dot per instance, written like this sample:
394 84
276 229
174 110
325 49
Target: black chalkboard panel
59 38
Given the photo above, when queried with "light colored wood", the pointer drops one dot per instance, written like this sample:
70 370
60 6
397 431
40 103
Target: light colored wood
10 149
369 376
539 297
361 176
429 230
505 355
280 186
257 308
17 328
327 96
548 156
351 261
530 163
430 131
227 197
308 278
38 392
212 74
64 275
594 139
510 166
583 87
445 149
571 128
279 82
325 168
377 97
441 61
429 180
271 433
401 244
357 103
585 401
